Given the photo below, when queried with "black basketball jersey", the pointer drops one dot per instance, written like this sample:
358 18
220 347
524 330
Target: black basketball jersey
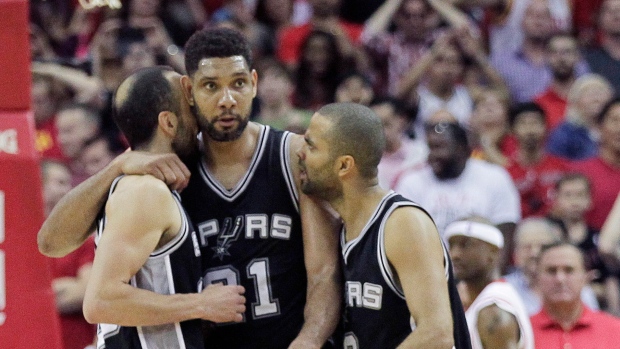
172 268
251 236
376 313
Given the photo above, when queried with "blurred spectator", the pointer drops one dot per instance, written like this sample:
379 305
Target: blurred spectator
564 321
531 234
435 84
97 153
605 60
69 273
394 53
490 129
532 169
321 65
525 70
44 106
237 14
76 124
603 171
355 87
576 138
585 15
572 198
275 14
275 94
453 186
496 315
324 18
82 87
562 60
400 152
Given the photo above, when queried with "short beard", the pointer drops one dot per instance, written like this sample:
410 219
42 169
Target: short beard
208 128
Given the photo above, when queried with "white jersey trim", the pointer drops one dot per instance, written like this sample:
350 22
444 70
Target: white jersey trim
348 246
287 169
232 195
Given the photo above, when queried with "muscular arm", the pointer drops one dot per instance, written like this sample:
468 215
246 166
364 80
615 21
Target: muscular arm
498 329
320 234
141 216
73 218
414 249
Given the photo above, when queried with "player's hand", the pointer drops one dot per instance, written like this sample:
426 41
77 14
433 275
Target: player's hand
166 167
223 303
300 343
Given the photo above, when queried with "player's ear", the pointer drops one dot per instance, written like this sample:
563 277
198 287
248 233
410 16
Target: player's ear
186 84
345 164
254 82
167 122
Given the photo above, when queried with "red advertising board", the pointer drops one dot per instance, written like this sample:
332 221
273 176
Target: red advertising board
28 317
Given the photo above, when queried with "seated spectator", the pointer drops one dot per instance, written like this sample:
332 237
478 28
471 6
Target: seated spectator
531 234
562 58
490 129
532 169
400 152
576 138
355 87
69 273
603 171
564 321
45 102
572 198
452 185
605 59
275 14
275 94
496 316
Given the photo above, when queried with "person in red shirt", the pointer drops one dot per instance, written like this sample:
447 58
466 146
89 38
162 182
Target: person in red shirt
533 170
562 59
603 171
564 321
324 18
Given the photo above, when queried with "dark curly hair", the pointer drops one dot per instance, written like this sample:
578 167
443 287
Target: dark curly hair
215 42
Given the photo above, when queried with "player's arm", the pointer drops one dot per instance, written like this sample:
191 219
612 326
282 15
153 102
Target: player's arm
62 233
320 236
498 329
139 214
414 250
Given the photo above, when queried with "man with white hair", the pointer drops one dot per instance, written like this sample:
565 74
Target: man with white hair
495 314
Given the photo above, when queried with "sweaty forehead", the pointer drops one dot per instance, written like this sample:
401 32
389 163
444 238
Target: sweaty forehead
222 66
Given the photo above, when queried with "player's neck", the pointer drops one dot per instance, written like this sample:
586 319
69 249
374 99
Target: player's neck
475 286
232 152
565 314
356 206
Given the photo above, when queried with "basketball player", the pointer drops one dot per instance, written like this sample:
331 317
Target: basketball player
245 200
399 287
147 270
495 313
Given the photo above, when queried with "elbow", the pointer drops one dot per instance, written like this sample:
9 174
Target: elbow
94 310
46 247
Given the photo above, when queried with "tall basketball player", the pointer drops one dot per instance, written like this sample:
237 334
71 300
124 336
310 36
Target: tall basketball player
399 286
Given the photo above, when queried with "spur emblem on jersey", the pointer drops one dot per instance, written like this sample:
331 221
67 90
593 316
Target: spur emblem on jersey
228 234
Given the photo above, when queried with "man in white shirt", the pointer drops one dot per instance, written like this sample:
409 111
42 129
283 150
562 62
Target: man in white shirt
453 186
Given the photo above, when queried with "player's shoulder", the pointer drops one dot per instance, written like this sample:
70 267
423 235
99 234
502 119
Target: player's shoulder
411 217
140 188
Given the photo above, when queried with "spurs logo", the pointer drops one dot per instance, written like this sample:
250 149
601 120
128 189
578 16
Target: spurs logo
228 234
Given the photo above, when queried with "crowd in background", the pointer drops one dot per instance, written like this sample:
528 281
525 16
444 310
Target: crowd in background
525 88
